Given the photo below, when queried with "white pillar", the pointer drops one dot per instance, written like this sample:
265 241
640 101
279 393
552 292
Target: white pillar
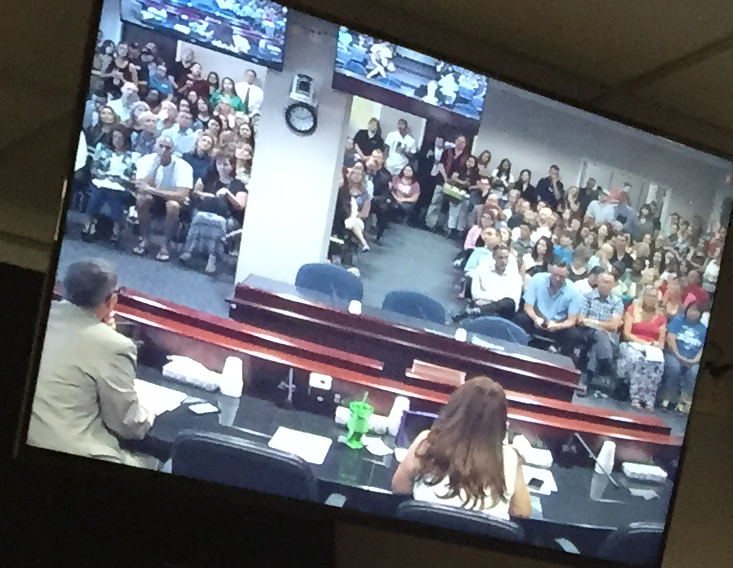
294 181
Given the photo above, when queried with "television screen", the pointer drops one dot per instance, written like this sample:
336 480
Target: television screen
408 73
249 29
491 325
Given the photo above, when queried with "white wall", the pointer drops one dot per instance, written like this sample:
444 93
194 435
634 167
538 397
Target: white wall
109 23
225 65
535 134
295 178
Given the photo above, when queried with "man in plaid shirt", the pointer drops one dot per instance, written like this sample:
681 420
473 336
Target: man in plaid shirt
599 321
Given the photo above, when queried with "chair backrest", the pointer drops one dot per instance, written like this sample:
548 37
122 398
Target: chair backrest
450 517
330 279
241 463
637 543
498 328
414 304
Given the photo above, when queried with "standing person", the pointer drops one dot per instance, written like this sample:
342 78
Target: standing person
428 170
599 321
463 459
118 72
228 92
641 362
550 189
551 308
180 69
451 161
712 270
369 139
194 81
400 147
586 195
143 69
601 210
524 184
100 63
85 401
685 340
164 181
250 94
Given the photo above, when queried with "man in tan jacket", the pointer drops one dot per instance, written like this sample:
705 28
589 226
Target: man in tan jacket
85 401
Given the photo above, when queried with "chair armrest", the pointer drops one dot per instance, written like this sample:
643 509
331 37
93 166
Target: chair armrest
336 500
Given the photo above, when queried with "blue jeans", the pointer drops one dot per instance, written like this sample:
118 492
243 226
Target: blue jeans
116 200
678 378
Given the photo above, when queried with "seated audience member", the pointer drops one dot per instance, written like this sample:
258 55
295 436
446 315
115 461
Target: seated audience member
550 189
123 105
250 94
136 110
495 289
214 128
586 195
219 200
502 179
599 321
591 283
645 277
92 109
369 139
244 156
620 252
463 459
520 213
602 257
100 133
353 203
143 140
350 155
228 92
601 210
571 204
482 164
640 357
693 292
564 250
523 243
112 175
203 116
579 266
545 223
621 289
685 340
540 258
214 83
85 401
712 270
184 137
405 190
473 238
377 176
479 192
102 58
551 308
164 181
154 100
491 240
524 185
118 72
200 159
452 159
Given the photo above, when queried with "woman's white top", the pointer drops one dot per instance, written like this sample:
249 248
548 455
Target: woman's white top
435 493
710 276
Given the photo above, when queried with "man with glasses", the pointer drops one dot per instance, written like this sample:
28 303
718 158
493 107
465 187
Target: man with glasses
164 182
85 401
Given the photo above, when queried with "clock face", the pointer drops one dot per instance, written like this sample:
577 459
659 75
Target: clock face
301 118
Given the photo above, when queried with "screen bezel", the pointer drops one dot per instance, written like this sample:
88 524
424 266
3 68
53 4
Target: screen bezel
274 65
84 467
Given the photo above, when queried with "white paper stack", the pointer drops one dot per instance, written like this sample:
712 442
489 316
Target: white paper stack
644 472
533 456
310 447
158 399
189 372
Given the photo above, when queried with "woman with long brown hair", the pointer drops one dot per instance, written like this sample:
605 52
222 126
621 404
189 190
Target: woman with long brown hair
463 460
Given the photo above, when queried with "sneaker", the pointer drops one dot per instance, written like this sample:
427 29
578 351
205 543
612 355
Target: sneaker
365 248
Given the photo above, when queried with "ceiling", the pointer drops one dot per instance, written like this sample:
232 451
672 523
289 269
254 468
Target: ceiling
660 64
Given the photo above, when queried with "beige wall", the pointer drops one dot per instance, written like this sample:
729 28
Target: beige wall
34 150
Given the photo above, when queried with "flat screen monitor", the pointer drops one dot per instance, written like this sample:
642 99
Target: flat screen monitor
249 29
300 291
363 61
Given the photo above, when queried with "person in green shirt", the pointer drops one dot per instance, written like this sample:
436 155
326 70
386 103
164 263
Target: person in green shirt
226 90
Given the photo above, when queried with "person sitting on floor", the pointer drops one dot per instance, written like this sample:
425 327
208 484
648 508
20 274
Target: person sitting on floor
495 288
551 308
685 339
219 202
85 401
599 321
464 460
113 172
164 181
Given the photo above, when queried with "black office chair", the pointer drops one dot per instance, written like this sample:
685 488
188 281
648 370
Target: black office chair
450 517
637 543
330 279
240 463
414 304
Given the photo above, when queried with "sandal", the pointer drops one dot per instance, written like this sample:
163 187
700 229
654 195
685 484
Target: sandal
89 233
141 249
163 255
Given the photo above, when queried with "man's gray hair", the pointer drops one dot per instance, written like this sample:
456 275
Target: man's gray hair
89 283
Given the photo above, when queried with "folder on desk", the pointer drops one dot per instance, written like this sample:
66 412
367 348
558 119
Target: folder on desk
158 399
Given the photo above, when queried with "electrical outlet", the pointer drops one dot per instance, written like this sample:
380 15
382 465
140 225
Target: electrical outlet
714 395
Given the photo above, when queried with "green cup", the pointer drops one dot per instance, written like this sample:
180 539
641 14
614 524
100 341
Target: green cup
358 423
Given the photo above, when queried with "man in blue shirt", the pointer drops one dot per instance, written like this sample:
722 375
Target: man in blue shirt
551 308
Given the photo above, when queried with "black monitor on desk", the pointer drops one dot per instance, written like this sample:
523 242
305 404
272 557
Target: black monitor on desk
122 476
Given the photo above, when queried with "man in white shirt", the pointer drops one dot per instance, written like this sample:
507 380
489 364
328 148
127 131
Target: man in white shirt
123 105
600 209
589 284
496 287
164 181
250 93
184 137
400 148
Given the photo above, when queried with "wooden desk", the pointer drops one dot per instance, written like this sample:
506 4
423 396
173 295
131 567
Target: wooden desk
399 340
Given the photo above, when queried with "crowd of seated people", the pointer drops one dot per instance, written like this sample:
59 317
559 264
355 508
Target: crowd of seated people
580 269
167 139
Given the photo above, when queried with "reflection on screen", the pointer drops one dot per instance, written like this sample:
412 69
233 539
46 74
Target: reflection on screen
440 325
